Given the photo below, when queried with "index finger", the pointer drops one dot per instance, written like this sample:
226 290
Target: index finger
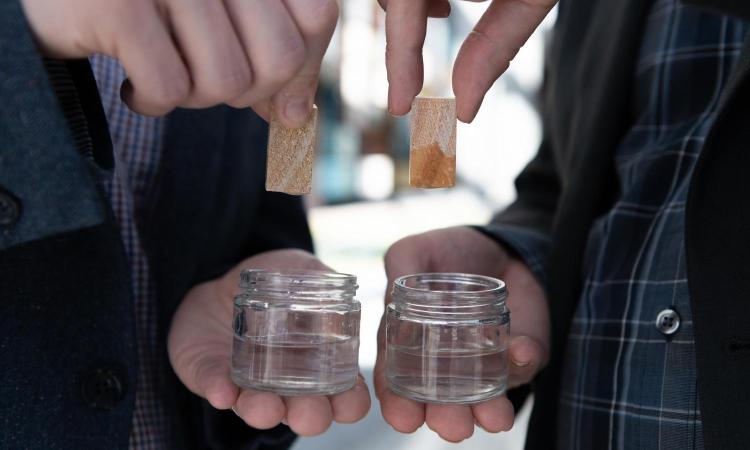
488 50
405 28
316 21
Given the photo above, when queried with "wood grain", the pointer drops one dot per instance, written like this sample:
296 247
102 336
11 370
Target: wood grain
291 152
432 149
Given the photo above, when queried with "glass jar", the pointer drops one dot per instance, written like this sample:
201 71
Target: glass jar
296 333
446 338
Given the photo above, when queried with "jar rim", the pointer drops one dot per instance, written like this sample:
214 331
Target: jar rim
482 298
494 285
305 277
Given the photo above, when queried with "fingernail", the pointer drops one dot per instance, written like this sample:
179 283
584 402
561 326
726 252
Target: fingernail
297 109
521 363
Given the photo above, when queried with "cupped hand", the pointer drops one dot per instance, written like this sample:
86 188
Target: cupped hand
484 56
200 342
197 53
466 250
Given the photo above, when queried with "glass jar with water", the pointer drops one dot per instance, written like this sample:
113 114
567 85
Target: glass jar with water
296 333
446 338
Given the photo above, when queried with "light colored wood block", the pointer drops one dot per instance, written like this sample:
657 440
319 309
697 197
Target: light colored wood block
432 149
290 156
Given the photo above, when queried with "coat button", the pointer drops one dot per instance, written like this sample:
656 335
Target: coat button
102 388
10 210
668 322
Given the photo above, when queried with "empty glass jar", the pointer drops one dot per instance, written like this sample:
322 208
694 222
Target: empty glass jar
446 338
296 333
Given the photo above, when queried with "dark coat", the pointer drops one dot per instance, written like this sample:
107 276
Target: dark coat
572 181
68 358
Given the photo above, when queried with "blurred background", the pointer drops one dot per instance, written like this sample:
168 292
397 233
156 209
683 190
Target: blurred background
362 203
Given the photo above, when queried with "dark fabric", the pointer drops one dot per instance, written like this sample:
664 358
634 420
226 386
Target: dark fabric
39 164
65 313
632 385
67 341
739 8
717 228
571 182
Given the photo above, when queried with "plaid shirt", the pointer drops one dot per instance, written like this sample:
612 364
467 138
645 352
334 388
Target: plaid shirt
629 383
136 142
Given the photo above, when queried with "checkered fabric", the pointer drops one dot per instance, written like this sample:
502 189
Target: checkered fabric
627 384
136 141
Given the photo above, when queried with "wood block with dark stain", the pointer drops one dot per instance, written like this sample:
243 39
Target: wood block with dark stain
291 152
432 149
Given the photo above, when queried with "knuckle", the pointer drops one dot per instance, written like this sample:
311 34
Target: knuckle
325 14
172 91
225 86
289 60
123 19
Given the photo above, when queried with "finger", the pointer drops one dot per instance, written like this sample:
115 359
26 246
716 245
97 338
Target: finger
262 410
403 414
157 77
273 44
488 50
316 21
406 256
405 27
285 259
308 416
525 357
435 8
454 423
218 66
352 405
211 380
494 415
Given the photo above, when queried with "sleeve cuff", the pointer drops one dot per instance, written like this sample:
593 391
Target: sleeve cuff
529 245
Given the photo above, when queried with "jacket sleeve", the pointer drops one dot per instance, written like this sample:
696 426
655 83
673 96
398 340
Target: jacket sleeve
525 227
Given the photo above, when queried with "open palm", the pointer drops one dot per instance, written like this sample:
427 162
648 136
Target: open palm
463 249
200 342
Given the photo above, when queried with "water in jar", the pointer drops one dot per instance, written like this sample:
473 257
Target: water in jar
444 362
302 351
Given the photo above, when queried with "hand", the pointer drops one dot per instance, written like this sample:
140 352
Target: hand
484 56
200 343
197 53
463 249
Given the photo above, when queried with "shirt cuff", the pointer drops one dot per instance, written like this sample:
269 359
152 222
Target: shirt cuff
531 246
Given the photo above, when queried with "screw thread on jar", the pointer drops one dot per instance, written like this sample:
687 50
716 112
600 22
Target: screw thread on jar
446 337
296 333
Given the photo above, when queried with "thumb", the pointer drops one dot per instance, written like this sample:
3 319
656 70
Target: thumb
489 48
526 357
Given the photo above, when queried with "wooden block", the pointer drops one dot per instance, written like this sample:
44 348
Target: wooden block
432 150
290 156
